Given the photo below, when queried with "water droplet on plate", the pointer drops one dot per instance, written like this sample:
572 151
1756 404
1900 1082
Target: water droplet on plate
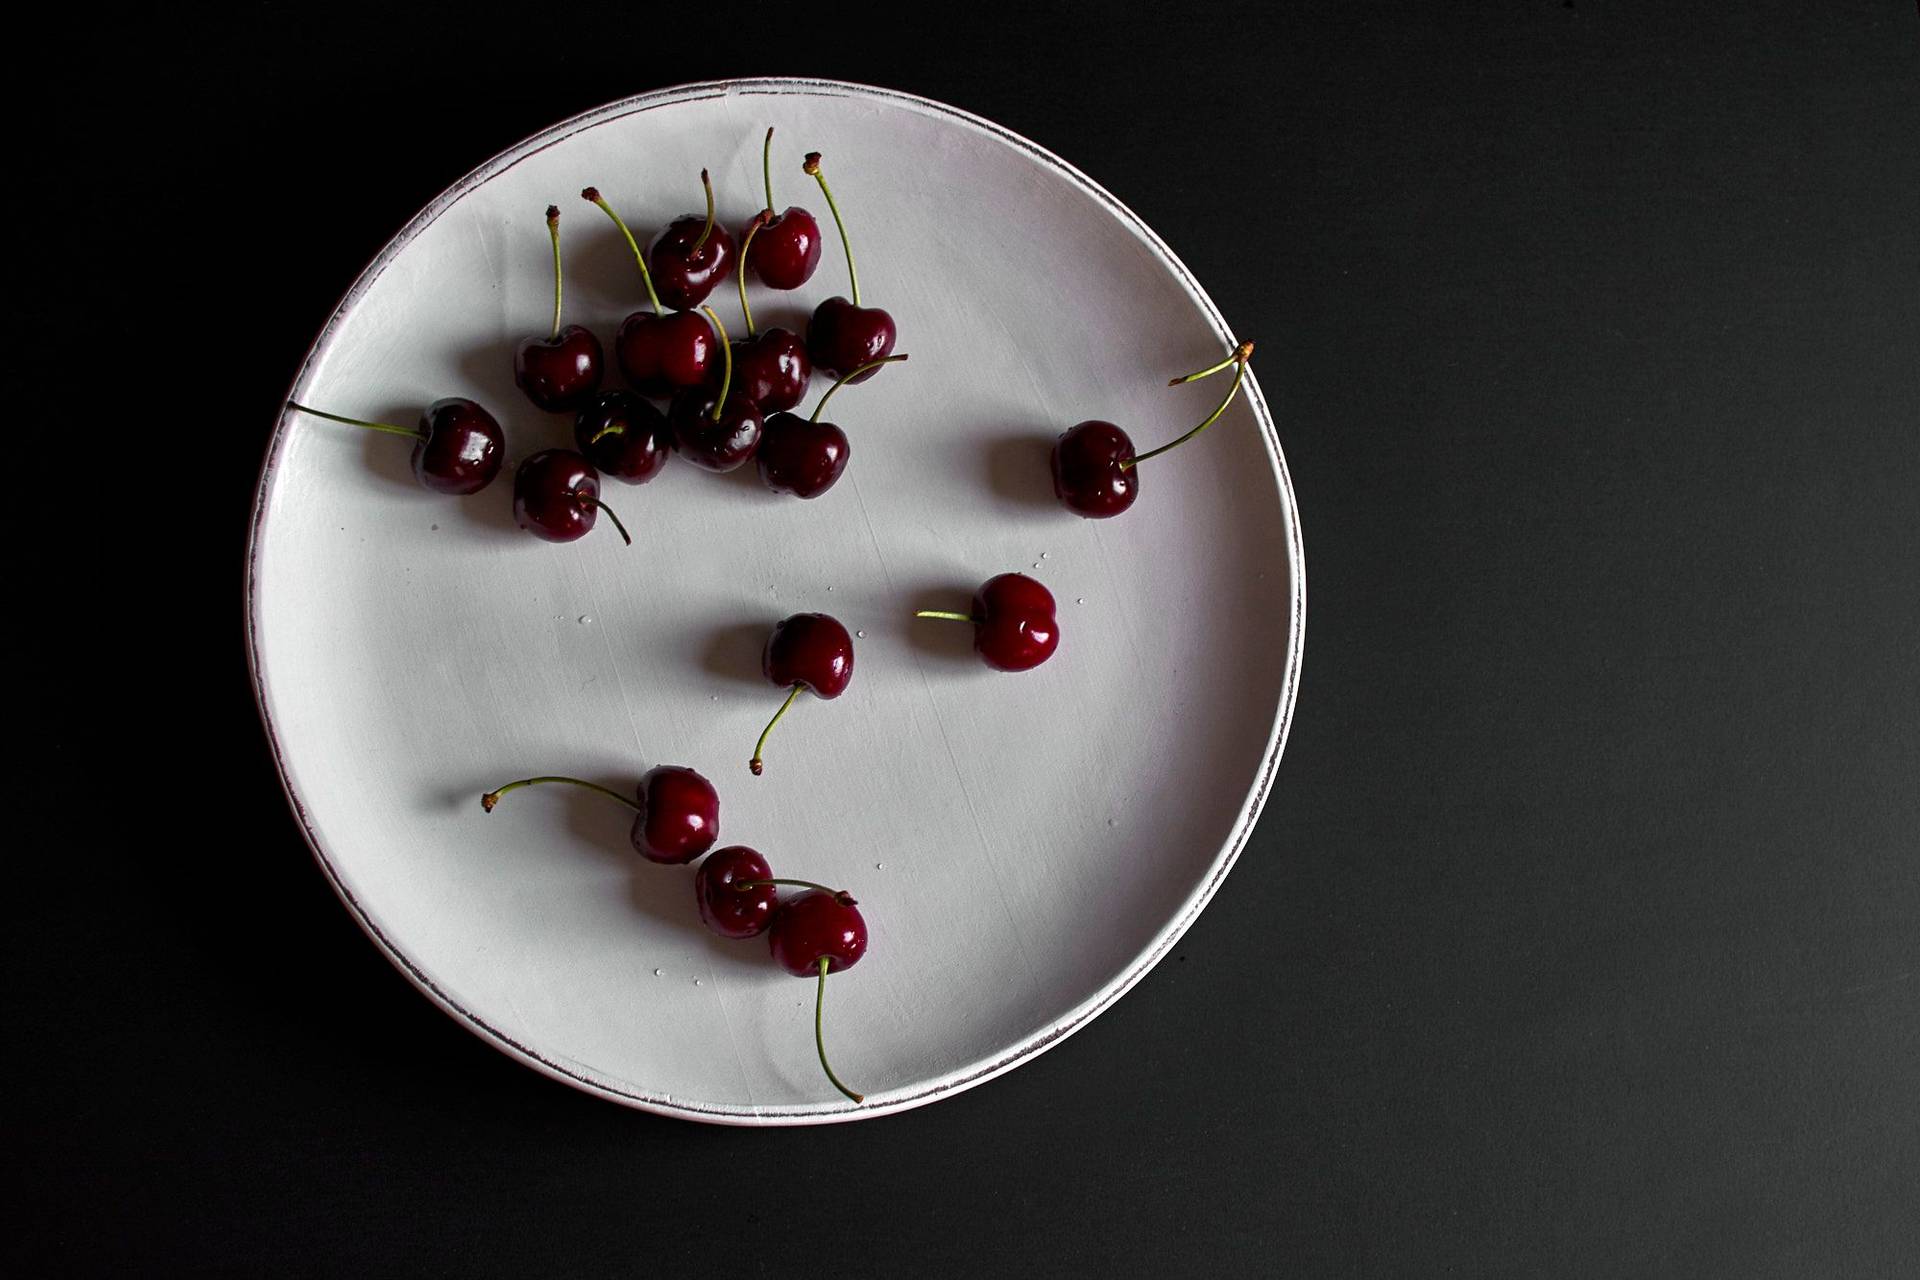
1043 555
1081 600
584 619
879 866
696 982
656 973
436 528
1112 823
861 634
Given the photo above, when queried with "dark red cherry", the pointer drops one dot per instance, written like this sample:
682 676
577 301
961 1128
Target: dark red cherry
659 354
691 257
772 369
814 926
842 336
562 370
556 496
624 436
1015 628
718 444
457 448
801 457
1088 474
786 251
679 817
731 911
807 651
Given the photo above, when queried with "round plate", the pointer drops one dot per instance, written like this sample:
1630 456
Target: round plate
1024 847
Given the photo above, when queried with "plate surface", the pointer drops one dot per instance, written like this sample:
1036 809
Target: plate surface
1024 847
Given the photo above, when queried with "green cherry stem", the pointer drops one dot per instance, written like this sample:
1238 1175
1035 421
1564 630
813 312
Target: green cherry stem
553 229
1239 360
759 221
845 378
760 747
819 1037
592 195
812 168
766 166
946 615
387 427
741 886
595 502
726 364
492 797
708 229
1233 357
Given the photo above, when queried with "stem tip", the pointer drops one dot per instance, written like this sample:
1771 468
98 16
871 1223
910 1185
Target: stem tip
489 800
811 165
553 214
591 195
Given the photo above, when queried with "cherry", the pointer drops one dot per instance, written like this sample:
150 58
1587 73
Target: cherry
1094 463
676 812
771 369
1013 620
624 436
819 932
658 351
804 456
786 249
718 429
556 496
731 909
691 256
843 335
806 651
558 372
458 447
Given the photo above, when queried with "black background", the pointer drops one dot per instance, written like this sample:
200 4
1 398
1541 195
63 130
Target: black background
1581 934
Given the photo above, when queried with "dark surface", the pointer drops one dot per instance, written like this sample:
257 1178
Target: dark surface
1581 935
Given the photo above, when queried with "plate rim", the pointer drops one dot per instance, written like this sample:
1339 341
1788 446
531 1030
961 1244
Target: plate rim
971 1074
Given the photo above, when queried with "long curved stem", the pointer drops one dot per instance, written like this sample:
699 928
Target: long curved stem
946 615
819 1037
849 376
766 166
726 363
492 797
759 748
759 221
553 229
707 230
387 427
595 502
592 194
812 168
1233 357
1239 375
742 886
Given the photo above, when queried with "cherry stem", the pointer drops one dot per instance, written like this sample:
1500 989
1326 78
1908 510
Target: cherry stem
766 166
1239 375
387 427
592 194
946 615
1239 354
611 429
759 221
812 167
592 501
819 1037
726 364
742 886
553 229
492 797
708 229
760 747
849 376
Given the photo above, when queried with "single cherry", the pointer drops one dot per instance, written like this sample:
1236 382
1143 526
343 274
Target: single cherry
1094 466
819 932
624 436
559 372
556 496
658 351
843 335
691 256
804 456
676 812
719 428
786 249
731 908
1014 628
806 651
458 447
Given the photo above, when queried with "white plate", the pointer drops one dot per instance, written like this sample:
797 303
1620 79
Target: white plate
1024 847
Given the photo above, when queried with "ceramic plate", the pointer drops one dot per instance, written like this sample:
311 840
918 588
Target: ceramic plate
1024 847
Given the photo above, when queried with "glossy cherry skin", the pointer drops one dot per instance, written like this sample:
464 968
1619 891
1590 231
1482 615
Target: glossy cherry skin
816 924
551 492
1014 626
731 912
786 249
812 650
842 337
561 373
801 457
1087 474
682 275
679 816
772 369
659 354
463 448
624 436
716 445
